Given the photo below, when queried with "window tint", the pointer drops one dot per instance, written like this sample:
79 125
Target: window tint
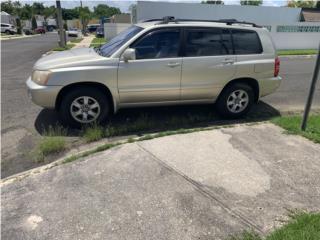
246 42
208 42
158 44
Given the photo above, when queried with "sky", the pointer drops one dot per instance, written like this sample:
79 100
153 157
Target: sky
124 4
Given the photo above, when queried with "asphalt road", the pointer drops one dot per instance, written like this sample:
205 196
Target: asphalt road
22 120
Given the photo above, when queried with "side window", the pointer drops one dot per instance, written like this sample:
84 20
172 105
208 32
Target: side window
246 42
3 25
208 42
158 44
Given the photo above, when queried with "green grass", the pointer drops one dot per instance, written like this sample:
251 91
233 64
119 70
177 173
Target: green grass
67 47
300 226
93 133
292 125
297 52
96 42
77 40
53 142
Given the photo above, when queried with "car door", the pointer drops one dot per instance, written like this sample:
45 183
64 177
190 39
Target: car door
155 74
208 63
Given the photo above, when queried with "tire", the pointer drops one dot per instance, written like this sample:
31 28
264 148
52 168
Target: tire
74 99
7 31
232 101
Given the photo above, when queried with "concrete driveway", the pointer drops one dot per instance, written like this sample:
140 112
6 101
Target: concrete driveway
201 185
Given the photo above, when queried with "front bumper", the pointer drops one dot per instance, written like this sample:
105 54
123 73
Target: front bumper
269 85
44 96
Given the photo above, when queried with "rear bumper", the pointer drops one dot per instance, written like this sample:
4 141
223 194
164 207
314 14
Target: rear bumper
269 85
44 96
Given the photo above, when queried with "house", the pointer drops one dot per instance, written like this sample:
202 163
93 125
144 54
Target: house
7 18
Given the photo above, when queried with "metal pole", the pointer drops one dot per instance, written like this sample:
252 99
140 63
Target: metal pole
62 42
311 92
82 25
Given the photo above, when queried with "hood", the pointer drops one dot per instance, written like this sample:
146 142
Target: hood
70 58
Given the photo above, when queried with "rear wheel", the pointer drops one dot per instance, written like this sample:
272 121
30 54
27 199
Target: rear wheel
235 100
84 106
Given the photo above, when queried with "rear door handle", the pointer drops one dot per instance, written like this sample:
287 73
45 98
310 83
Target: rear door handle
173 64
228 61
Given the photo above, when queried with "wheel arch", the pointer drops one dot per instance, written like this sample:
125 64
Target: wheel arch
249 81
99 86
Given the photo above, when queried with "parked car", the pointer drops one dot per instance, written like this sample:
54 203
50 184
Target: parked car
27 31
100 32
8 28
40 30
74 32
160 62
92 27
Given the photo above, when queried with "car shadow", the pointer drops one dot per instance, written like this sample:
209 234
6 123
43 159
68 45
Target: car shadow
153 119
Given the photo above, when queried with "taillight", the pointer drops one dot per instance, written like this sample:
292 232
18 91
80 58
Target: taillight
276 66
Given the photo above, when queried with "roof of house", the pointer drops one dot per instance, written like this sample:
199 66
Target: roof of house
310 15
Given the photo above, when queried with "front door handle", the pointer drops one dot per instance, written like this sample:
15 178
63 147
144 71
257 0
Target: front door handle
228 61
173 64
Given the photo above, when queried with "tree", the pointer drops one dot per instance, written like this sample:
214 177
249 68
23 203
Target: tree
103 10
69 14
34 23
49 11
252 2
38 8
318 5
26 12
7 7
19 28
302 4
85 15
217 2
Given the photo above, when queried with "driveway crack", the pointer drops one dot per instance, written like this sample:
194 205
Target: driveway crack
205 192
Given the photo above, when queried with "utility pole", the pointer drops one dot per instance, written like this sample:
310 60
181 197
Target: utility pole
81 17
311 92
62 42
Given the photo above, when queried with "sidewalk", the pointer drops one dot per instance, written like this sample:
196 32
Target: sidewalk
85 42
201 185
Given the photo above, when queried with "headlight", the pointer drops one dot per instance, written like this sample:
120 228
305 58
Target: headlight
41 77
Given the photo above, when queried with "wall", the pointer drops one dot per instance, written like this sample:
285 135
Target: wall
296 40
259 15
113 29
121 18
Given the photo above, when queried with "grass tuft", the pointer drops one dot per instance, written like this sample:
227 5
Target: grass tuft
97 42
292 125
300 226
77 40
93 133
53 142
67 47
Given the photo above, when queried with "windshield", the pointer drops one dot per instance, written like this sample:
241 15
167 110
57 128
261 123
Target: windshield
115 43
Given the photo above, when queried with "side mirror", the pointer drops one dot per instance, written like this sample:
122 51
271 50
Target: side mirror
129 54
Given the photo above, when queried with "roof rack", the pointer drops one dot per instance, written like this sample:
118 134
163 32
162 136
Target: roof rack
168 19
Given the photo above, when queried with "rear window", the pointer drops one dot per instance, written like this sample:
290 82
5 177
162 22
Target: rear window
246 42
207 42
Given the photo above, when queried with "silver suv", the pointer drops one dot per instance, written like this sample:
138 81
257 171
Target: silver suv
160 62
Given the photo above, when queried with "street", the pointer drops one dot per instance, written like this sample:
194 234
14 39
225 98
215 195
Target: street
23 121
18 113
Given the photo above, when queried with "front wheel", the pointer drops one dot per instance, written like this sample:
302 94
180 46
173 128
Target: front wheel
84 106
235 100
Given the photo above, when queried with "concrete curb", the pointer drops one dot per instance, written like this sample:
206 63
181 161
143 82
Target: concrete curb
19 37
